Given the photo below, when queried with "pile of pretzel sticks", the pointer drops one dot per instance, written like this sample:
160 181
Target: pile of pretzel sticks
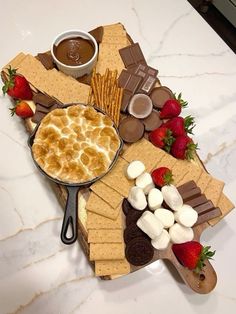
105 93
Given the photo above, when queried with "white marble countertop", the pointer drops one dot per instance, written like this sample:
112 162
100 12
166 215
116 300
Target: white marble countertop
38 274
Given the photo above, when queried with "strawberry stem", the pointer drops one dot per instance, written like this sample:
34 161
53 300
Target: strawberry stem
189 124
182 102
206 254
168 177
10 82
191 149
168 140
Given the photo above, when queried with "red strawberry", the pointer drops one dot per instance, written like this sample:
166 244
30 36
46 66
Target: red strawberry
172 107
162 176
192 254
162 138
180 126
183 147
22 110
17 86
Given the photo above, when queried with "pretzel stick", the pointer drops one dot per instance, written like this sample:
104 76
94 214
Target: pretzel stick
119 105
90 96
93 84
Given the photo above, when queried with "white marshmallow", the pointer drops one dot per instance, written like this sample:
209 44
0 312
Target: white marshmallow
186 216
180 234
144 181
165 216
172 197
162 241
137 198
155 199
150 224
135 169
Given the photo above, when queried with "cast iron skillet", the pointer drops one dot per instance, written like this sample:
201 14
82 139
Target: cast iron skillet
71 212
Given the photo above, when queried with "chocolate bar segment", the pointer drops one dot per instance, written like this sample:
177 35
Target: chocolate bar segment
193 193
38 116
187 186
213 213
197 201
132 55
202 209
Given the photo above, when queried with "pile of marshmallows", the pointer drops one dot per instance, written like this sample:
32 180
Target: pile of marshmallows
163 225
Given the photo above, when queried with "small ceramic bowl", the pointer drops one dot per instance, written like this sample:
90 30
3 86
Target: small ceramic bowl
77 70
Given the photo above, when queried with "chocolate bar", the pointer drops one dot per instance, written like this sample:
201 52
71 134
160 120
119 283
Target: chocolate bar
44 100
129 81
46 60
148 75
205 208
132 55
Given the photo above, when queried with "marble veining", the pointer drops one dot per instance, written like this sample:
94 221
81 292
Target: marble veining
38 274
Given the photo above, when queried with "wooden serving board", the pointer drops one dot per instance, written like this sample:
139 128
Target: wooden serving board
201 284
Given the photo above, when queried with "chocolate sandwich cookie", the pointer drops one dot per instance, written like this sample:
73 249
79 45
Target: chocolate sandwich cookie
160 95
133 216
131 129
139 251
132 231
152 122
126 207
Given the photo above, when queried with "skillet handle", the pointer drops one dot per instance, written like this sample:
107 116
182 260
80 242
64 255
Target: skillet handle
71 215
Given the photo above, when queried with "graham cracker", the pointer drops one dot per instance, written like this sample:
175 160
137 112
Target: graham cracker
166 161
113 30
213 190
225 206
14 63
117 179
116 267
144 151
106 251
109 195
97 205
122 40
109 57
105 236
203 181
95 221
193 174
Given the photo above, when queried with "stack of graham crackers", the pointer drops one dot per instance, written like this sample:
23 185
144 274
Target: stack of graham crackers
114 38
105 222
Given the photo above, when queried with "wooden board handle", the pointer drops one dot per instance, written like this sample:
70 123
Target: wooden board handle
202 283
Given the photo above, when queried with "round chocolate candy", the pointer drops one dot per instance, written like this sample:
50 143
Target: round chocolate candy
139 251
160 95
131 129
140 106
152 122
133 231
